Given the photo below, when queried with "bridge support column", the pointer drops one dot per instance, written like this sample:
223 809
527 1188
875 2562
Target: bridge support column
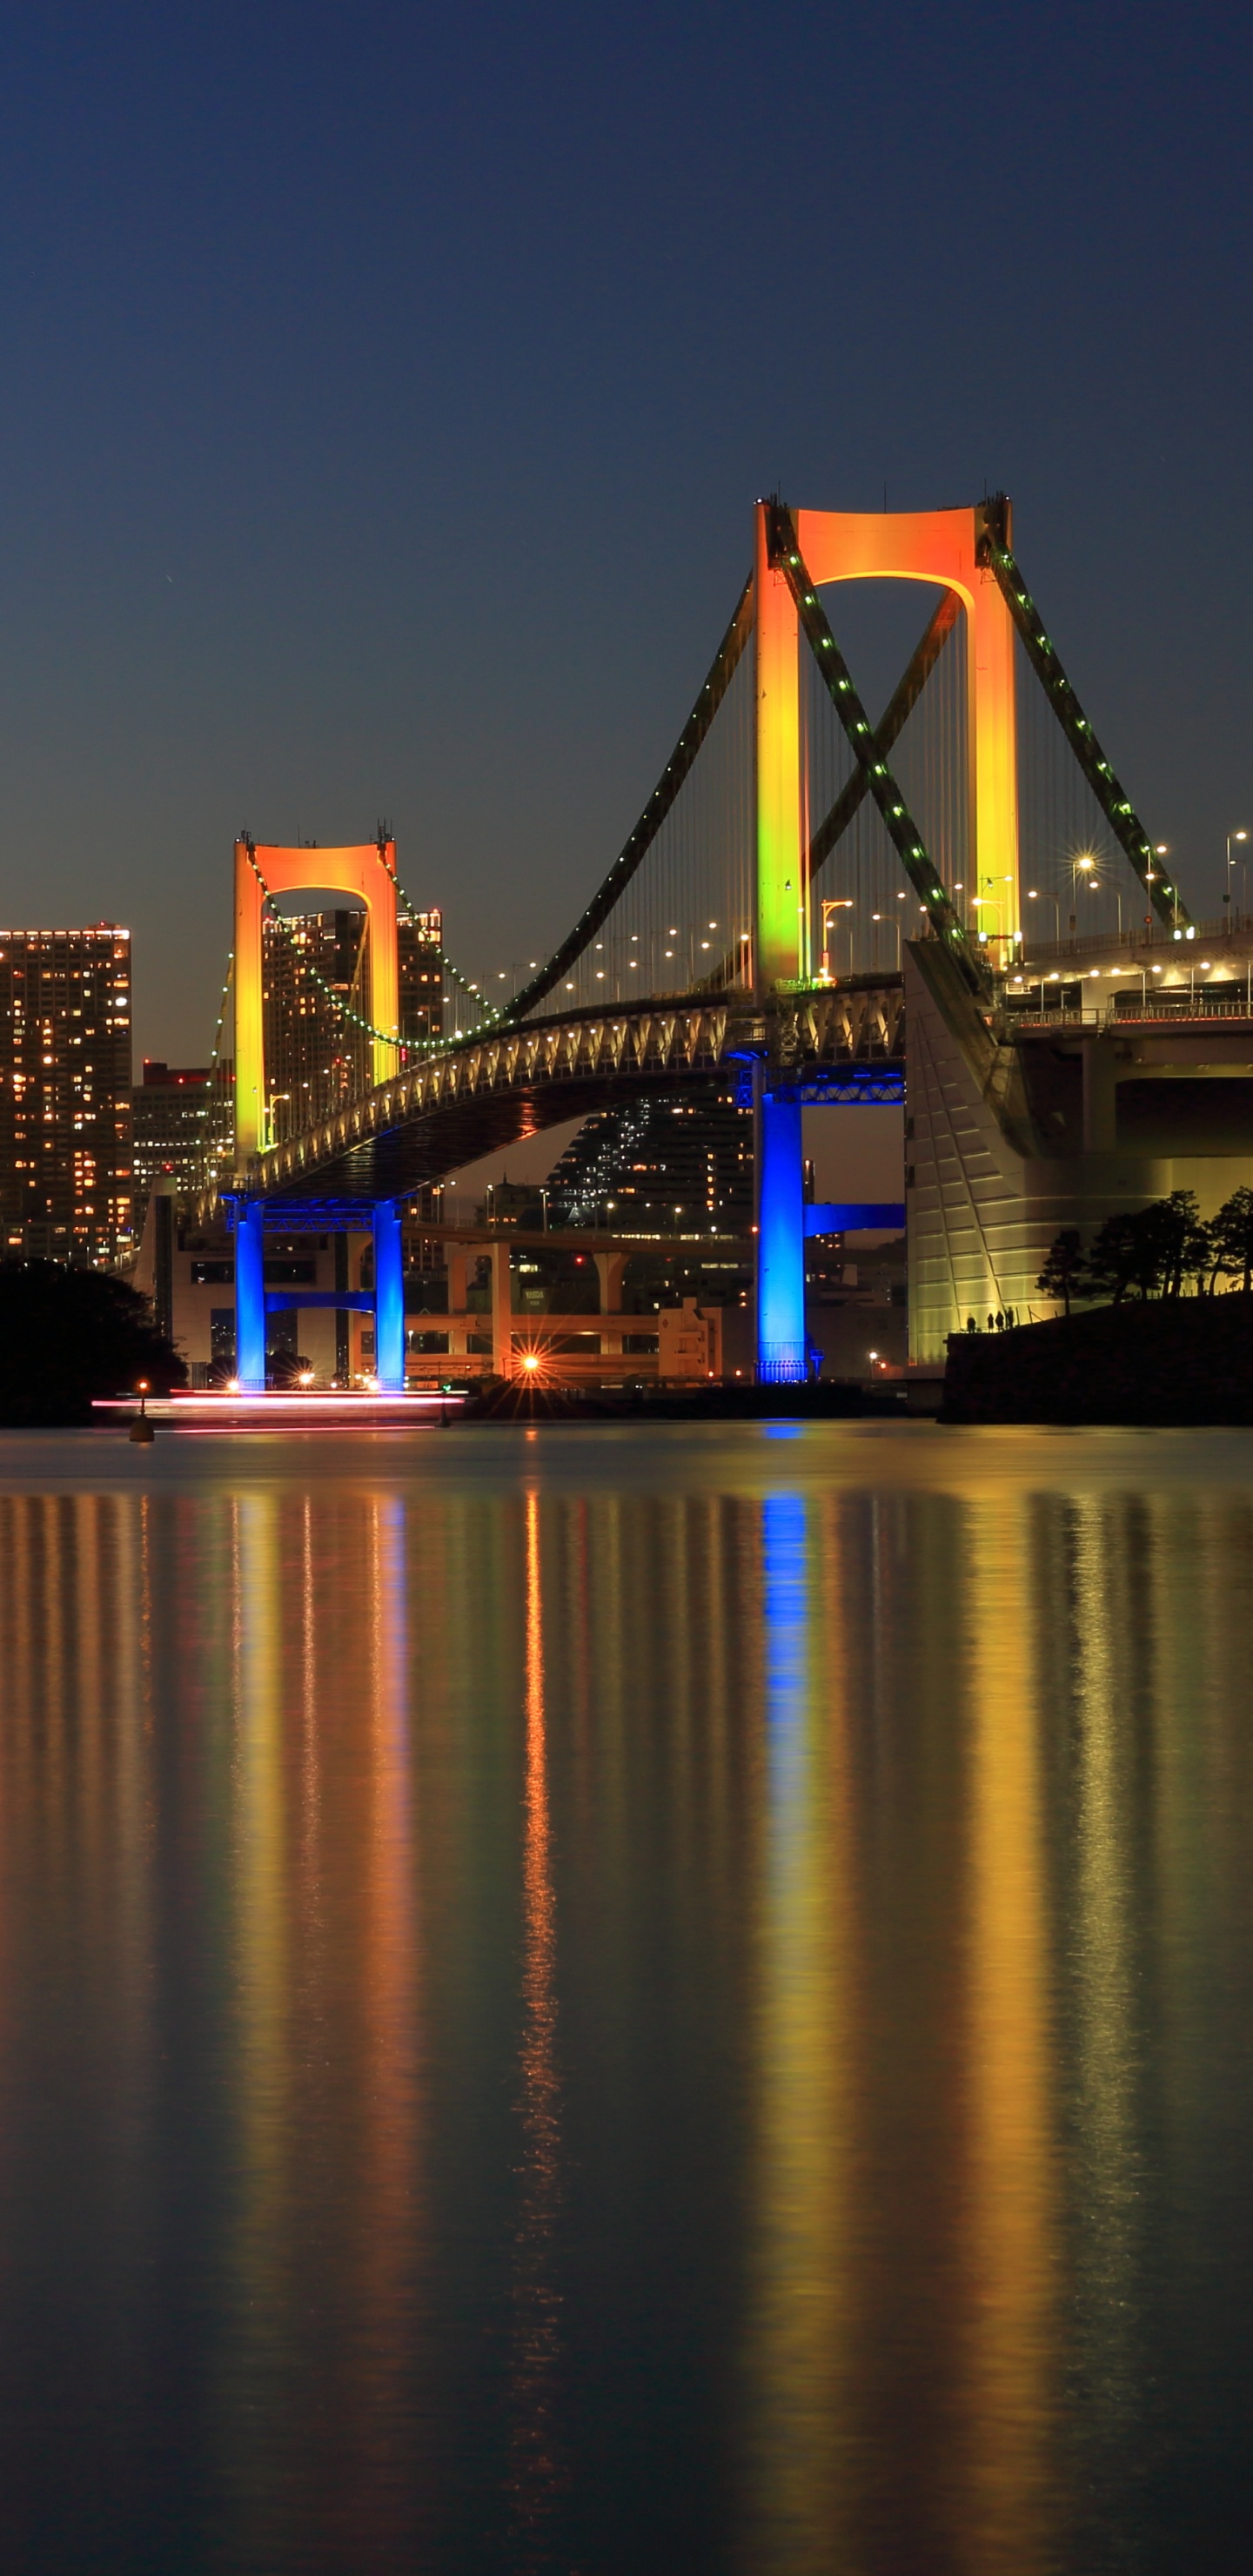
610 1270
389 1297
780 1191
250 1294
456 1259
502 1311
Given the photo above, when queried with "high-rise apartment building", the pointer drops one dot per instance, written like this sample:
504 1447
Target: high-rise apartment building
316 1055
659 1167
177 1123
421 941
317 1008
65 1095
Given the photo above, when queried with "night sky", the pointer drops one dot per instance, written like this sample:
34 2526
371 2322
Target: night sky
385 390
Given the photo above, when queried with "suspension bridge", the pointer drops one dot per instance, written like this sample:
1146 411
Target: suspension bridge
828 908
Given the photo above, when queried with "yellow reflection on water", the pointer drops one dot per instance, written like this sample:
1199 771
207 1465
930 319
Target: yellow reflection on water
1012 2250
852 1877
534 2463
858 2363
803 2025
325 2019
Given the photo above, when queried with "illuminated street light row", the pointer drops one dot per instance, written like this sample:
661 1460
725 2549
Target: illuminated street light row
1083 866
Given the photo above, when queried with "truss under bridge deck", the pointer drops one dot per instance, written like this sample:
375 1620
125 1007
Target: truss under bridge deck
840 1040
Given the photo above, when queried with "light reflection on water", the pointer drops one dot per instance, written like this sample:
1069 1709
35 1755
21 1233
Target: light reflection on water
597 2001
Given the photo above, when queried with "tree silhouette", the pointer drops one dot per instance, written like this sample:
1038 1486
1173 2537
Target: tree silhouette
1175 1244
1115 1257
69 1335
1231 1238
1065 1272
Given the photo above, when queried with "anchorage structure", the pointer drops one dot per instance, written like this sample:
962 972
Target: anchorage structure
694 956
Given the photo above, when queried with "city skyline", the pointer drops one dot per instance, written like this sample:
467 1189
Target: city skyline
493 333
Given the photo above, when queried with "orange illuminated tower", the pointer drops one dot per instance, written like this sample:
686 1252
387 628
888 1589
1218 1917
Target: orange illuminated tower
944 548
939 547
365 872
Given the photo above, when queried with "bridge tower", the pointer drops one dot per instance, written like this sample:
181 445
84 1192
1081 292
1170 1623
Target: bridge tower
367 873
944 548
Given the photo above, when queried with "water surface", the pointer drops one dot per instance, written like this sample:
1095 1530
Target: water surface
618 2000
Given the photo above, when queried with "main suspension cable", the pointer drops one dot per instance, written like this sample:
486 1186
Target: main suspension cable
1116 806
633 851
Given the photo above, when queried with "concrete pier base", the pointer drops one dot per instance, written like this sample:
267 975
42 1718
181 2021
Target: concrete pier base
1010 1138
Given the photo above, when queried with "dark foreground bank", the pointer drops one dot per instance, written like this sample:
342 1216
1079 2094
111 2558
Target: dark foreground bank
1185 1362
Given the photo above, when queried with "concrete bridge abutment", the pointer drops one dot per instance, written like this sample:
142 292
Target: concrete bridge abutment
1012 1136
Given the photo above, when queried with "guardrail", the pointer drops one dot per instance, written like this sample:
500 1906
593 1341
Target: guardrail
1128 1011
1238 932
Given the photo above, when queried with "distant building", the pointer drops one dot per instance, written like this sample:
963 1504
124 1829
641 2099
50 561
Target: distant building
175 1113
317 1008
659 1167
316 1056
65 1095
509 1202
421 940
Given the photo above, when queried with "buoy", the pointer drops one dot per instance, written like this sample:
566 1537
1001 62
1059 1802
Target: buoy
141 1429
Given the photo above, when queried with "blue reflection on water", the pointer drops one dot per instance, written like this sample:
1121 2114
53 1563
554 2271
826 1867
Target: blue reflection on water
784 1526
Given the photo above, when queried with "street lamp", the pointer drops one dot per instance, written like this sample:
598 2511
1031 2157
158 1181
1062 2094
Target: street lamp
1232 836
1078 867
830 904
1034 896
272 1099
1161 850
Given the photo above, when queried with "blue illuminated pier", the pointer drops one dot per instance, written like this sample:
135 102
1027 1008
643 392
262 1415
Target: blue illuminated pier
780 1160
251 1217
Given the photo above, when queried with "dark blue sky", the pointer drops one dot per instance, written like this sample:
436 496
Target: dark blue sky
384 392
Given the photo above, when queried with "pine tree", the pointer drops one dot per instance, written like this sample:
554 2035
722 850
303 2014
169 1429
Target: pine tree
1231 1238
1116 1257
1065 1273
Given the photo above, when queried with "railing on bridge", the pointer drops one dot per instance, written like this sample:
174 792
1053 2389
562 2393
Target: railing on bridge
1130 1011
1234 937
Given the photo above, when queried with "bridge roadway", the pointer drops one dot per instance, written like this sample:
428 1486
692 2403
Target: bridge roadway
839 1042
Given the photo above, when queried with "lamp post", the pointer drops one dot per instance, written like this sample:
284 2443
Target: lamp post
1161 850
141 1429
1078 867
830 904
1034 896
1232 836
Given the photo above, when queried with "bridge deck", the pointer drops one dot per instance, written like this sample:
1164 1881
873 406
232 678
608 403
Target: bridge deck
491 1092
